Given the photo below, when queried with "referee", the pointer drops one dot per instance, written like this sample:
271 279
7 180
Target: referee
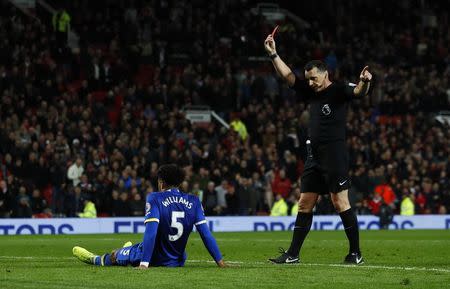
326 167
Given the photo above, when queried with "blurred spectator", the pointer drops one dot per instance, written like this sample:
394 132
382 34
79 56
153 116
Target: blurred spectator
115 203
295 196
247 197
221 191
232 201
89 210
280 208
5 200
75 172
23 208
184 187
407 205
61 24
121 206
281 184
38 203
386 192
200 179
238 126
197 191
57 173
71 201
210 200
363 208
259 186
386 215
375 204
137 205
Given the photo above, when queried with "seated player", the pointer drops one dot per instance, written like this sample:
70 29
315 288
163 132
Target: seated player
169 219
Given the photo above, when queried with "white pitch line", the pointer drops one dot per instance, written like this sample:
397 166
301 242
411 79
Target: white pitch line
382 267
36 258
334 265
221 239
263 263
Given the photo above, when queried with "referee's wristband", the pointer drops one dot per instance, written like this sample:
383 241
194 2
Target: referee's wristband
273 56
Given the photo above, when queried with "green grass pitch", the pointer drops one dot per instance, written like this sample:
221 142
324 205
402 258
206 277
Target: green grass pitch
394 259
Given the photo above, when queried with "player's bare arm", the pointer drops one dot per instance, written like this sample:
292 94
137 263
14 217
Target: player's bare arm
364 82
282 69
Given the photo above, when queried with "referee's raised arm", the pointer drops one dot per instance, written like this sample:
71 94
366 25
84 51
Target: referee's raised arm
363 86
282 69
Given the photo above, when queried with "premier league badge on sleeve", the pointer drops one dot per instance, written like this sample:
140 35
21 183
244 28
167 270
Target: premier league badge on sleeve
147 208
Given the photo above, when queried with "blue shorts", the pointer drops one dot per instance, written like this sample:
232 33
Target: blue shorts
131 255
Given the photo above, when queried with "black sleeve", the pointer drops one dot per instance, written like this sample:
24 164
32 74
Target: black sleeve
302 89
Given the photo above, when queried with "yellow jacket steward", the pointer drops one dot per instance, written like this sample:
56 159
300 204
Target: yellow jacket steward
240 128
89 211
60 21
407 207
294 210
279 208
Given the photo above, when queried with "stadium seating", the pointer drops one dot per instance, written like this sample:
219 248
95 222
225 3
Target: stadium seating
116 103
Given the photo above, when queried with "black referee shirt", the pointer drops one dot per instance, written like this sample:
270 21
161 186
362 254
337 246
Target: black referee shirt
328 110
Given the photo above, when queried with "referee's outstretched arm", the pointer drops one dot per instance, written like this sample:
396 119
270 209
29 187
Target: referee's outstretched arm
364 83
282 69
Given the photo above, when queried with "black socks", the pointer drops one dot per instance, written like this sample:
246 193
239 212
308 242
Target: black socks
350 224
301 229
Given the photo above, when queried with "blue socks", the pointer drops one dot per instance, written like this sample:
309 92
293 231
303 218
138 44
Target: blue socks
97 260
104 260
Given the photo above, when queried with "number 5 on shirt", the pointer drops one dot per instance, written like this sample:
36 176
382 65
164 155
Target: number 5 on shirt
176 225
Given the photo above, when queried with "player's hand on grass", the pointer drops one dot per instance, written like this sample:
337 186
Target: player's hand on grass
365 75
269 45
221 264
141 267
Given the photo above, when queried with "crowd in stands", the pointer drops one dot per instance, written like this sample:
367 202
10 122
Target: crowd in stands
83 131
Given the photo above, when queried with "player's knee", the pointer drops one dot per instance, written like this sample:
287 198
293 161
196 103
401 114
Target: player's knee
340 204
305 206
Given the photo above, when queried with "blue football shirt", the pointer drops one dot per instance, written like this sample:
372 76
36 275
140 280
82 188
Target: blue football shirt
176 213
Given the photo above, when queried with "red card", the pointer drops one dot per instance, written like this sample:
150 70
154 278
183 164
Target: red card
274 31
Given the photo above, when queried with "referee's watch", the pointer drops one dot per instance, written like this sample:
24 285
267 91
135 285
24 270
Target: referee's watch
273 56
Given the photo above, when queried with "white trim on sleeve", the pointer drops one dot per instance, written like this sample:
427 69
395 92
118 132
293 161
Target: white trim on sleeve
151 220
201 222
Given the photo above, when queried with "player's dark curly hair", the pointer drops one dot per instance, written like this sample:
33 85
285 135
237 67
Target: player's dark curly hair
171 174
319 64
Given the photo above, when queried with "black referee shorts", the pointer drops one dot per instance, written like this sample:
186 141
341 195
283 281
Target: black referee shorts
326 170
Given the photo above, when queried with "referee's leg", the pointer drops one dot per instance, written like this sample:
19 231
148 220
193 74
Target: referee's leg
342 205
303 221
